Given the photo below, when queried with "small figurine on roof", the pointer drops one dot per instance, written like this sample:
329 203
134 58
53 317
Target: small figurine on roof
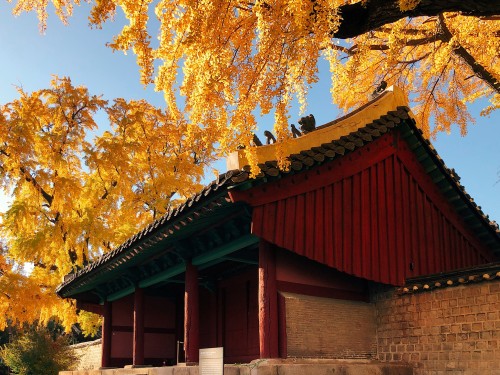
379 90
307 124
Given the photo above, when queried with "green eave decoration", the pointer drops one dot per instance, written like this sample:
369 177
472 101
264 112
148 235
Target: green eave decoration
210 257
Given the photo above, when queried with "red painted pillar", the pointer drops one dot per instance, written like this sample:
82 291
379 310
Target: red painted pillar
138 340
191 315
106 335
268 302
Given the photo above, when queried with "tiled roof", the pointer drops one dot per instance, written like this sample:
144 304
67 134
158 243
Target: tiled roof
337 148
200 204
215 194
483 273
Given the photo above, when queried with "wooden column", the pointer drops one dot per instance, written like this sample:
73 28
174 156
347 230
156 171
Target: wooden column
106 335
138 340
268 302
191 315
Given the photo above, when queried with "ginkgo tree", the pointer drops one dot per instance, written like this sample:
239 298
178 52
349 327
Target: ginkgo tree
74 200
219 64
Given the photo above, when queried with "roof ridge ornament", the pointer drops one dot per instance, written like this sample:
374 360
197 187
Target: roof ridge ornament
389 100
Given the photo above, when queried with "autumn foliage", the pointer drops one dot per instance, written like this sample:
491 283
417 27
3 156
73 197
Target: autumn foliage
220 63
75 197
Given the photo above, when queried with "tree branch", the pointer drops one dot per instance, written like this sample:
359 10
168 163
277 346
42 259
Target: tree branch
359 18
28 177
479 70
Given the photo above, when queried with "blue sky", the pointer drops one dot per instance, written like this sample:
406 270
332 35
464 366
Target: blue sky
29 59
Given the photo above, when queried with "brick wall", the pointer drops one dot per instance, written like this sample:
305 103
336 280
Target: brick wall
452 331
89 354
331 328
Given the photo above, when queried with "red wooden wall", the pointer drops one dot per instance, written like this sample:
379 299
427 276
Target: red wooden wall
374 213
159 331
238 317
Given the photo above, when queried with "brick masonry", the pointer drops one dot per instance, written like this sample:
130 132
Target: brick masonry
329 328
89 355
452 331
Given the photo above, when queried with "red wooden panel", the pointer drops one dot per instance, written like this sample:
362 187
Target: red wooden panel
347 229
356 251
280 221
328 218
422 261
461 252
447 242
122 310
391 230
464 250
407 226
382 218
399 223
436 251
312 219
430 250
240 319
159 312
454 253
320 228
440 237
338 225
366 226
208 319
299 217
221 303
269 221
257 217
290 211
375 228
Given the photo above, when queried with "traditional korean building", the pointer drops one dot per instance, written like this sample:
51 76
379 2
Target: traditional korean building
291 264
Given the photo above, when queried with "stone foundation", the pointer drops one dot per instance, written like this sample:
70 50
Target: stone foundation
271 367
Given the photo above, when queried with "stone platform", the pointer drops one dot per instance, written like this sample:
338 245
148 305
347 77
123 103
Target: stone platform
270 367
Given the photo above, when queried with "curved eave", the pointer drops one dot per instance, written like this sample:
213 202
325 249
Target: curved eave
196 213
449 183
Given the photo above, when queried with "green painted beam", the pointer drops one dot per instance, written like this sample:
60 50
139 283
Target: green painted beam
210 257
162 276
241 260
226 249
121 293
